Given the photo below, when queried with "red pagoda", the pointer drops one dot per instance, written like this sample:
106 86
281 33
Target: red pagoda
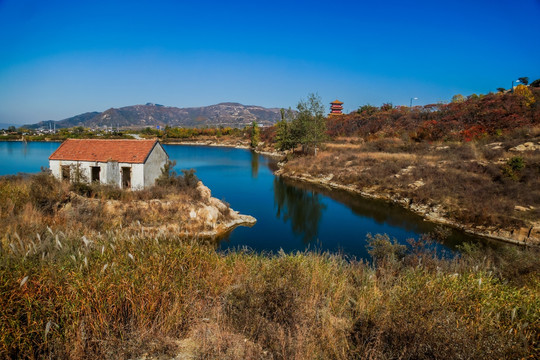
336 107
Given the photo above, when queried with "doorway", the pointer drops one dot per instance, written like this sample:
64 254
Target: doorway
126 177
95 173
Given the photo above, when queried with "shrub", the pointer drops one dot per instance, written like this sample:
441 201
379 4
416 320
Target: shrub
383 250
46 192
169 177
513 167
14 194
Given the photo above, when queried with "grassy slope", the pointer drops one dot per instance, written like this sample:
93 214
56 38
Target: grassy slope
74 292
118 296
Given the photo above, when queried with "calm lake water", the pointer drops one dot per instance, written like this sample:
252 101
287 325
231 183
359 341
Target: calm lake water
289 216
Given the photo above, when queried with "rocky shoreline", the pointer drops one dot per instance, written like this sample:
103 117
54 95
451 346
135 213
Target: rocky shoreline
523 236
528 236
202 217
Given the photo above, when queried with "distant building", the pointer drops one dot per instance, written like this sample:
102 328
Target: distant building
336 107
129 164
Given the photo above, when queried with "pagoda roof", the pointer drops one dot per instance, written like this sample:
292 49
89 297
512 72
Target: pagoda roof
336 102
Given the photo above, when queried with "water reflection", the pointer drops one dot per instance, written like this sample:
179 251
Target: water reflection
302 207
254 164
25 148
392 215
289 215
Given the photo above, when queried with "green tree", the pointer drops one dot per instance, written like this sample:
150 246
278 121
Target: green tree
524 80
367 109
310 123
458 98
286 138
535 83
501 89
255 135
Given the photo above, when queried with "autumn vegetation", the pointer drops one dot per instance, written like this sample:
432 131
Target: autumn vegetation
77 284
72 290
464 119
464 161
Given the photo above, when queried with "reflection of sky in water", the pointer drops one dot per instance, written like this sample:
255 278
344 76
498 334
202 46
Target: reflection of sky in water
293 216
289 216
18 157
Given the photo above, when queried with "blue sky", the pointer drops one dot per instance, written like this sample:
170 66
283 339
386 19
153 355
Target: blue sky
63 58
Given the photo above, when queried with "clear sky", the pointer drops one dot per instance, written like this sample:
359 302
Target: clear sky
63 58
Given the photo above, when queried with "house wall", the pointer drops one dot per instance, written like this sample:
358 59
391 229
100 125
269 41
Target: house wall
142 175
137 175
153 165
110 173
84 168
54 165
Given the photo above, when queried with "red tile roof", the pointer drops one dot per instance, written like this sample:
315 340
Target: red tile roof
126 151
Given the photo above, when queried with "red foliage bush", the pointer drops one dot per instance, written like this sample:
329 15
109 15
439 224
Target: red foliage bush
467 120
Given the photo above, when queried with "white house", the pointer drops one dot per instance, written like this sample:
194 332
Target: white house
130 164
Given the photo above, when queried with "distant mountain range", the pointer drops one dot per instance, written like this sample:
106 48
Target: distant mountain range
152 115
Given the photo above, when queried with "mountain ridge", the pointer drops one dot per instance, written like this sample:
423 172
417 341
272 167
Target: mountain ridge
226 114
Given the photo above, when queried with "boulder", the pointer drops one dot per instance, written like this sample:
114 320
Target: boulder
528 146
203 191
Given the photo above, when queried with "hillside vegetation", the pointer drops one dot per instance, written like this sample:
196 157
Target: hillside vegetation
79 282
474 162
464 119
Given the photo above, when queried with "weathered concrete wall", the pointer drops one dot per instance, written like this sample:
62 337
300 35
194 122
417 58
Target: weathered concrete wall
111 173
54 165
83 166
142 175
155 162
137 175
114 174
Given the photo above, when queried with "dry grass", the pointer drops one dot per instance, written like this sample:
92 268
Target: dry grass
472 181
69 291
29 205
118 296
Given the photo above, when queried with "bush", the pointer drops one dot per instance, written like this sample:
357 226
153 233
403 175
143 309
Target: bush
383 250
513 167
169 177
46 192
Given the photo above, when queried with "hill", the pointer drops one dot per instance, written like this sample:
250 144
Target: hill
151 115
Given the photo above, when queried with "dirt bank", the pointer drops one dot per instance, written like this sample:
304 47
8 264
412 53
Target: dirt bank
456 184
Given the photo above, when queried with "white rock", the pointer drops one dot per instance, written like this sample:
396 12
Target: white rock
417 184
